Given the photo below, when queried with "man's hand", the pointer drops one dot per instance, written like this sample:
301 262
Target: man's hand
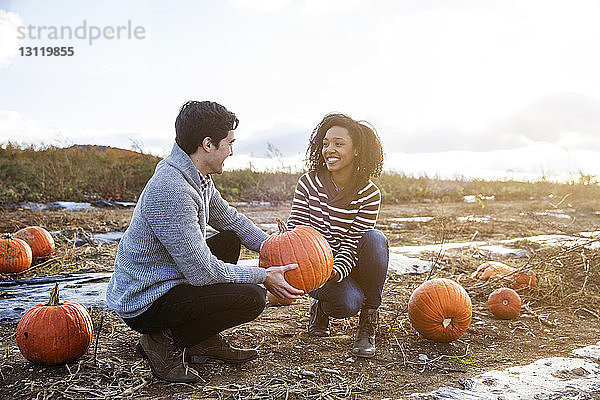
334 277
276 283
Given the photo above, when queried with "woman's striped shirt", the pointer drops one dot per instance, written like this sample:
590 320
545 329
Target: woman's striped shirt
341 227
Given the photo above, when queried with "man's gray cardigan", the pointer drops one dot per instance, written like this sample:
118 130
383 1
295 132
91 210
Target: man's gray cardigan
165 244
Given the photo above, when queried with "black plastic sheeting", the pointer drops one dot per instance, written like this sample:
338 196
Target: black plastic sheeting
19 295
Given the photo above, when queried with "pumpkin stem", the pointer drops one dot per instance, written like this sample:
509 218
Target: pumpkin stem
446 322
54 300
281 226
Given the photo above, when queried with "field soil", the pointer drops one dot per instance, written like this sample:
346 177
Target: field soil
559 315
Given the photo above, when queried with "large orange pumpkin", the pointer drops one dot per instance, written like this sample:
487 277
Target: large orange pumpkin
440 309
273 300
39 239
304 246
504 303
15 255
55 332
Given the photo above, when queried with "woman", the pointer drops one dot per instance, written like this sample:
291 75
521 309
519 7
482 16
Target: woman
337 198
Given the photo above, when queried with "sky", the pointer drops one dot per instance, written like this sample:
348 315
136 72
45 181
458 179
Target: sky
454 88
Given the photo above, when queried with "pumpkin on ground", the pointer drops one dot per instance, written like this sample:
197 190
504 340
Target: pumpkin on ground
440 309
490 269
15 255
524 280
55 332
504 303
273 300
304 246
39 239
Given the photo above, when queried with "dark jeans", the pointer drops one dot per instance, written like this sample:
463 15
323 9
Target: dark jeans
195 313
363 287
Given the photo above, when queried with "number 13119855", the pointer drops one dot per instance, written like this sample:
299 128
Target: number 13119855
47 51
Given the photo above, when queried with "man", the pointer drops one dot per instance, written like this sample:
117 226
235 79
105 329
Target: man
171 283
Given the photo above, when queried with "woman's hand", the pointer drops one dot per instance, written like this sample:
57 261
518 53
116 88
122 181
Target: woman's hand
276 283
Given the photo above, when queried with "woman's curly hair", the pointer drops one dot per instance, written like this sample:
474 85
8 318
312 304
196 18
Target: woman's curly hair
369 161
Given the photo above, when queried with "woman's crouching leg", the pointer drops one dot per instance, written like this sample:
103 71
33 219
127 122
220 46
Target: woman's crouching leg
340 299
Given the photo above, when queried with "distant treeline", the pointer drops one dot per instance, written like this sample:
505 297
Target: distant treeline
83 173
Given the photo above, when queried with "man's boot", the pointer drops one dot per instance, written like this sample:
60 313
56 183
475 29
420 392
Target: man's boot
217 348
165 358
364 344
318 323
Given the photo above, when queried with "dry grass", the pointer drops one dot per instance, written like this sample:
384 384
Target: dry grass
296 366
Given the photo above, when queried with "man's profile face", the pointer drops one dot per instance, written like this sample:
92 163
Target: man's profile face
218 155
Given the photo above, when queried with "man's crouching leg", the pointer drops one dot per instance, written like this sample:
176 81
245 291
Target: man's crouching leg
167 361
217 348
250 304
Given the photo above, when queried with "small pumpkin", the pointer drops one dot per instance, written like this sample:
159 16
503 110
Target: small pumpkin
56 332
504 303
39 239
15 255
490 269
273 300
440 309
304 246
525 279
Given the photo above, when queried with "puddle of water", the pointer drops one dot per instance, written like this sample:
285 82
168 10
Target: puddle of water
252 262
473 199
592 352
107 203
108 237
470 199
269 228
563 240
410 219
549 378
503 248
505 251
472 218
414 250
408 265
398 263
250 203
72 206
20 295
553 213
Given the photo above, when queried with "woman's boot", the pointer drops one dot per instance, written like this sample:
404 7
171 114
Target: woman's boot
318 323
364 344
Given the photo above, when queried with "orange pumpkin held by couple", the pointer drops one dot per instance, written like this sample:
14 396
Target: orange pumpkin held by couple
304 246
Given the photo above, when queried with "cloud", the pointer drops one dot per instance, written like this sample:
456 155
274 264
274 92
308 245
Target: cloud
21 130
529 162
9 44
567 119
18 129
286 139
320 7
562 119
264 6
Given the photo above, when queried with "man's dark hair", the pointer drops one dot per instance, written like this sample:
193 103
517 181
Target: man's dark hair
200 119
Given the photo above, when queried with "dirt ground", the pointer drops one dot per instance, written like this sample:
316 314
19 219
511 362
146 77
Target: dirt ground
561 314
